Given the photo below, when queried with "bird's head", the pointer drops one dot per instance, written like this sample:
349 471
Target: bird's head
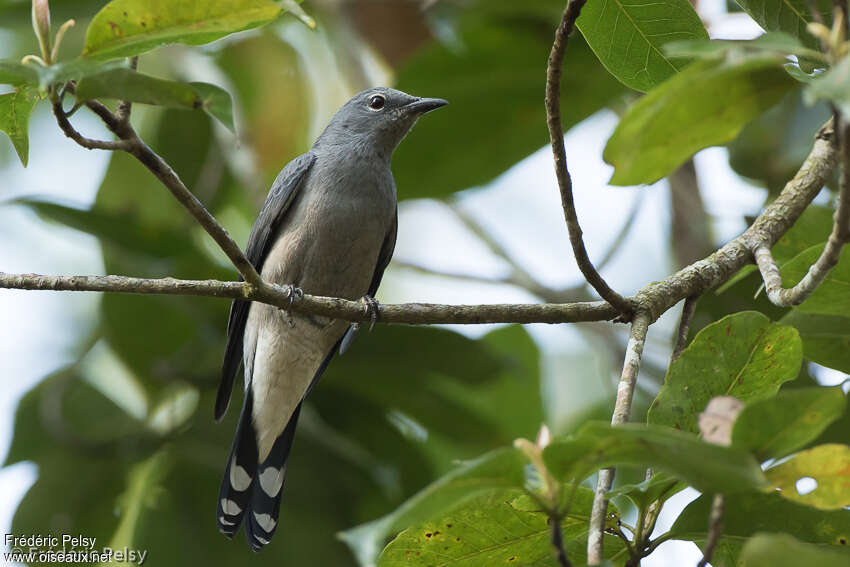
378 119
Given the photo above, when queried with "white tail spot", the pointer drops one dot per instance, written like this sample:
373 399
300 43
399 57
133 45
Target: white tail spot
271 480
240 480
225 522
266 522
230 507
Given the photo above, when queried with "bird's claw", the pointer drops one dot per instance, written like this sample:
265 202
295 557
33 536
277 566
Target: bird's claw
294 293
371 308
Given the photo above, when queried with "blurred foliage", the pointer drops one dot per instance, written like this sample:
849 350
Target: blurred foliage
124 440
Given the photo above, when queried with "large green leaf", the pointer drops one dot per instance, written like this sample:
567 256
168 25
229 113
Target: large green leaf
826 338
498 470
828 465
491 77
705 105
504 527
789 16
747 514
129 27
15 110
743 355
682 455
775 427
831 297
782 550
127 84
628 37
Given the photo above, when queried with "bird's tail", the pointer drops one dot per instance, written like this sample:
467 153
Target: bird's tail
251 491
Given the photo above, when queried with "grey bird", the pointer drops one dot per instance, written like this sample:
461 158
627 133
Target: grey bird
328 227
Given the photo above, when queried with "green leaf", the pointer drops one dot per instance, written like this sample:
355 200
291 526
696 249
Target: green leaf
789 16
742 355
831 297
628 37
705 105
17 74
828 465
706 467
496 470
491 77
126 84
15 110
772 42
783 550
777 426
124 28
502 528
747 514
217 103
73 70
832 86
826 338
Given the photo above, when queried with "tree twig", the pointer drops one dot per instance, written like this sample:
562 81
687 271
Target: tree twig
715 529
622 410
556 138
840 235
558 542
409 313
125 106
130 142
688 310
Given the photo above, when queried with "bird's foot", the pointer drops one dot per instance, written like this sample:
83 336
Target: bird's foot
293 293
371 308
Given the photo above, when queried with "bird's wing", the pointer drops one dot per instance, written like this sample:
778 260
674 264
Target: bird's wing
384 258
273 215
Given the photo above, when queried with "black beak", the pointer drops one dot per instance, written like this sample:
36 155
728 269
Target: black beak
425 105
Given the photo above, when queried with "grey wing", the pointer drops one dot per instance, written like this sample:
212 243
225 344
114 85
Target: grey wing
384 258
272 216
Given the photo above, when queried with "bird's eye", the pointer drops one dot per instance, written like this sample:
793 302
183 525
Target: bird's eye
377 102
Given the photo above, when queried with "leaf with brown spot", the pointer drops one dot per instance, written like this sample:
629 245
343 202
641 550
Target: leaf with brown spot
753 358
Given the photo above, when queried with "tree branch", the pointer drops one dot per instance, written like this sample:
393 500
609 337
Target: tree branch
688 310
131 143
409 313
126 106
556 138
840 235
558 543
656 298
715 529
622 410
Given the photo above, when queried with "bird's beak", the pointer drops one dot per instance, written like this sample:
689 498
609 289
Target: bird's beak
424 105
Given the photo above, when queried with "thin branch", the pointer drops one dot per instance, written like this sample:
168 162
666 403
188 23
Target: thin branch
132 144
622 410
776 219
87 143
556 137
408 313
840 235
715 529
688 310
125 106
558 542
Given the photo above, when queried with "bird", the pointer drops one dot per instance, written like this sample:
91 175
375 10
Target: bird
328 227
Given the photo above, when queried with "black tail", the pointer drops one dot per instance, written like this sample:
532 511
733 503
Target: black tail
251 491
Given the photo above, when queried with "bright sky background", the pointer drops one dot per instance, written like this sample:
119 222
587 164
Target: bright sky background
38 330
